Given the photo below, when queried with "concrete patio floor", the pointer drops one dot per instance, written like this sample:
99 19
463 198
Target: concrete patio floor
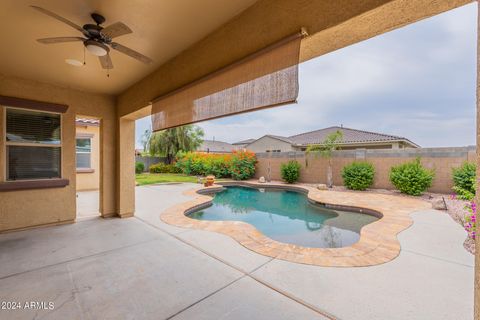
88 204
142 268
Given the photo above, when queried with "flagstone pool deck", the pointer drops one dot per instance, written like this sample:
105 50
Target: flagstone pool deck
378 241
143 268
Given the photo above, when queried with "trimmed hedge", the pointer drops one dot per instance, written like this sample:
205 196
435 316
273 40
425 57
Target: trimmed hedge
164 168
358 175
290 171
464 180
411 177
139 167
238 165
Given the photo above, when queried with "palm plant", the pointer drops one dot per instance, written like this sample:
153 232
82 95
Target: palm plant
325 149
169 142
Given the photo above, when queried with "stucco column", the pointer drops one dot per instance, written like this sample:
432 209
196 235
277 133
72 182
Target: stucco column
477 239
126 168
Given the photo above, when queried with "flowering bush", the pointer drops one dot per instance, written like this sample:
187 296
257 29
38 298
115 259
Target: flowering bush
239 165
471 219
242 165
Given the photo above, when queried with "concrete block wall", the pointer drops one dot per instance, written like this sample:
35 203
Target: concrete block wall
314 167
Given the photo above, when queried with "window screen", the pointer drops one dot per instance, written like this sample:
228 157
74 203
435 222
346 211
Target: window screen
33 144
33 162
83 151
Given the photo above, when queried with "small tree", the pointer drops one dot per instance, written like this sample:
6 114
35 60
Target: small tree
169 142
325 149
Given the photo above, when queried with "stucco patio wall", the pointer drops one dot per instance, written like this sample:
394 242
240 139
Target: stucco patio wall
314 167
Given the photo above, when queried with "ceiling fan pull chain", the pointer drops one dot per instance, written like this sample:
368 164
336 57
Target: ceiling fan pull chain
84 63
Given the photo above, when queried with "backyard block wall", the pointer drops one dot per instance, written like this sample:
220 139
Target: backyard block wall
440 159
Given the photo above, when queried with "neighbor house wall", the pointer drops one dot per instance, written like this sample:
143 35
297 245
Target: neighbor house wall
268 143
314 167
90 180
27 208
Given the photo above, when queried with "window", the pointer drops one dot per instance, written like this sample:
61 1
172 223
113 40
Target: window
84 153
33 144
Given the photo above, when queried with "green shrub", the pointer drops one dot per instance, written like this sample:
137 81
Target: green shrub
139 167
164 168
290 171
411 177
358 175
464 181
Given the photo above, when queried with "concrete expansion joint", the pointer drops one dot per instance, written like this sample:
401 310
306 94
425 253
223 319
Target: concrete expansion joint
439 259
79 258
244 274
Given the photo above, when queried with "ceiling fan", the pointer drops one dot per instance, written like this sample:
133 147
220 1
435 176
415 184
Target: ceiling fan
96 39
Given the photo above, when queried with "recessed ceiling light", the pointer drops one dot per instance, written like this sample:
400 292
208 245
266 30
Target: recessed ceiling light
74 62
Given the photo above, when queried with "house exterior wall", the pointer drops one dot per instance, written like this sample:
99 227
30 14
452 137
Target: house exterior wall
314 168
27 208
387 145
90 180
268 143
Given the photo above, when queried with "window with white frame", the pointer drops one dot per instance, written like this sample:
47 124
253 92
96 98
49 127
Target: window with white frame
84 152
33 144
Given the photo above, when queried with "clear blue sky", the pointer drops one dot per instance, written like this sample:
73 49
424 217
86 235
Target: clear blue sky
417 82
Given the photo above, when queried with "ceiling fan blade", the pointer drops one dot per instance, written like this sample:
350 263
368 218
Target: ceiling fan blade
116 30
132 53
106 62
59 40
59 18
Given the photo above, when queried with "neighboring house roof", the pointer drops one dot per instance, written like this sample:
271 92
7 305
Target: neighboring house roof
244 142
350 136
281 138
87 122
215 146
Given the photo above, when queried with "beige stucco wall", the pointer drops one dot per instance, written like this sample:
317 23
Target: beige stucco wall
90 180
268 143
27 208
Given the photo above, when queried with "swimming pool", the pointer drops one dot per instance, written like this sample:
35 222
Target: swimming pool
286 216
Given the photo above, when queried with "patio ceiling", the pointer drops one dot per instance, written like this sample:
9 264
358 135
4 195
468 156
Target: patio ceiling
161 30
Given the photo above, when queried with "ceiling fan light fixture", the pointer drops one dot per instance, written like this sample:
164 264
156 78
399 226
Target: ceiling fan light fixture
96 48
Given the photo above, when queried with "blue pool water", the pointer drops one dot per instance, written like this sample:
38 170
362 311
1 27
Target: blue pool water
286 216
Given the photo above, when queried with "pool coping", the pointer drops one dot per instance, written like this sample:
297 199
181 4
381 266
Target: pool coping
378 241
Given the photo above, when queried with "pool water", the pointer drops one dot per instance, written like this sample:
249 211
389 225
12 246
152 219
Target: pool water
286 216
